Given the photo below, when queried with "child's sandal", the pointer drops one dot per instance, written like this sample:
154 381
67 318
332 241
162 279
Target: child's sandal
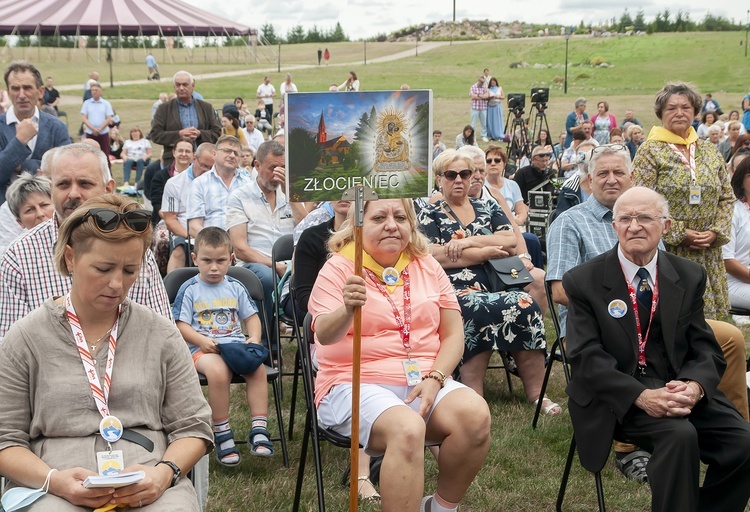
222 454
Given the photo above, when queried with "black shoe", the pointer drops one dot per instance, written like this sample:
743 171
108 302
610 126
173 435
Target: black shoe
633 465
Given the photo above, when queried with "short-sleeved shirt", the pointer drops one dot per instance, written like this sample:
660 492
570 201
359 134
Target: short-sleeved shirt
214 310
738 247
97 112
264 89
176 195
576 236
510 191
136 149
478 104
248 205
50 95
383 351
150 61
209 196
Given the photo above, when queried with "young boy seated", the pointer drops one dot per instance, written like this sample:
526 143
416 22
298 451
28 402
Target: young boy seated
264 121
209 311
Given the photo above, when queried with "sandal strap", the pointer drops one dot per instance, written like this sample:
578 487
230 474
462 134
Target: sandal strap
223 437
254 432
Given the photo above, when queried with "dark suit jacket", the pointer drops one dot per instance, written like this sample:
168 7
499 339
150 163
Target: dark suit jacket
52 133
166 125
603 350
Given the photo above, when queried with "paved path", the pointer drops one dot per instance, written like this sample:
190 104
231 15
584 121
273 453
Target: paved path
423 47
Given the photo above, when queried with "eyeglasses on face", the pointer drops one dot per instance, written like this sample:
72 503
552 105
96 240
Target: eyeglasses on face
493 160
107 220
452 175
230 151
642 219
542 155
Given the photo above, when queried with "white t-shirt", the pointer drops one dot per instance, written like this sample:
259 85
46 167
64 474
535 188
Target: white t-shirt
136 149
265 92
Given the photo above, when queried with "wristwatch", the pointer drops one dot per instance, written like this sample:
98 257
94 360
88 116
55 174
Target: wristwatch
525 255
175 468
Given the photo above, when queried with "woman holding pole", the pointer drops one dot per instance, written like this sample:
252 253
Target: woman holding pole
411 340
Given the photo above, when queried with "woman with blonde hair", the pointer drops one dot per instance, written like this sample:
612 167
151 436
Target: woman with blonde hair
93 382
411 343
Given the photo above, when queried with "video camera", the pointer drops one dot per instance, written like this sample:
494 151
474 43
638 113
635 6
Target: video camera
540 95
516 102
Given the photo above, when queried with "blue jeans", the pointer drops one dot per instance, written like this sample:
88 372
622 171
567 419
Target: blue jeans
482 116
265 274
128 166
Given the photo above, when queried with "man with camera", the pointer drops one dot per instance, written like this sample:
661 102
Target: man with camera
536 176
479 95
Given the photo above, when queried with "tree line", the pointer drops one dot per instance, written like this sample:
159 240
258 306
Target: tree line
297 34
665 21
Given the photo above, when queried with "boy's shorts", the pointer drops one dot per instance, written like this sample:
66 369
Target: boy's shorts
335 410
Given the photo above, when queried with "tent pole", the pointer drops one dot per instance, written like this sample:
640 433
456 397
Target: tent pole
99 44
38 33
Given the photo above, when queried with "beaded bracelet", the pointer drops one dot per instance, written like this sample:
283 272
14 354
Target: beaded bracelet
440 379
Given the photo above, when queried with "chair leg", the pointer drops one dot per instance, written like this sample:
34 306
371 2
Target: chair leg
295 382
301 467
280 418
566 474
599 490
547 372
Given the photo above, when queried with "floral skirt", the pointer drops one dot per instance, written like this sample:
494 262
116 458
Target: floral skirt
504 321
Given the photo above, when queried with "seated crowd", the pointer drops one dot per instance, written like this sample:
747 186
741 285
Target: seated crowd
635 222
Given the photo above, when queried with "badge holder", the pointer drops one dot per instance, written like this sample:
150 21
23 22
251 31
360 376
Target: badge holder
110 462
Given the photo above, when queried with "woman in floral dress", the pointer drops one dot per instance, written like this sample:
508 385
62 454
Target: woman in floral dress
690 173
464 234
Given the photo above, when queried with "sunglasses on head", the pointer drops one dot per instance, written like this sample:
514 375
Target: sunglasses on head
452 175
107 220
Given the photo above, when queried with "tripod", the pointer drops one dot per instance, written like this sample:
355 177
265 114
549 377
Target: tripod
519 144
540 122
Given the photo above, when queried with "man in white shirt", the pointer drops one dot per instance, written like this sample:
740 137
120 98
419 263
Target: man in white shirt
252 134
97 114
267 92
175 201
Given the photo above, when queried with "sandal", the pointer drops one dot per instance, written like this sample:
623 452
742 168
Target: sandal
549 407
372 496
256 442
222 454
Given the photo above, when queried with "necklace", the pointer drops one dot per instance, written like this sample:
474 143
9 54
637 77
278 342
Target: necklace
95 345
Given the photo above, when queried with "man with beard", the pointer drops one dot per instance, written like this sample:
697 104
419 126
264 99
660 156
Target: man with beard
27 271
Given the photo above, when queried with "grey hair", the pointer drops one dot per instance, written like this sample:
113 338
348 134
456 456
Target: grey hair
24 186
80 149
609 149
579 102
471 151
46 164
186 73
658 199
672 88
270 147
205 146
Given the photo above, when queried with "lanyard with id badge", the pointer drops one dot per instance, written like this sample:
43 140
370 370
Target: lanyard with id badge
108 462
695 189
390 276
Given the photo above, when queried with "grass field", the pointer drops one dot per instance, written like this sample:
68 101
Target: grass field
523 468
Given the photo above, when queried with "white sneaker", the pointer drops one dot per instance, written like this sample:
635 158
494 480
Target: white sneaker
741 321
485 139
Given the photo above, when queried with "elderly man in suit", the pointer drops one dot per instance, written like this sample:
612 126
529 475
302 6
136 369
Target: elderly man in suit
26 133
184 117
646 365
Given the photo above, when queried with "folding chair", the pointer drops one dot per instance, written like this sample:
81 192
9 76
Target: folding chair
313 432
172 283
556 353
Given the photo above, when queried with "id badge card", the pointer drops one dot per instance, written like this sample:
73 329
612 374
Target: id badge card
695 194
412 372
110 463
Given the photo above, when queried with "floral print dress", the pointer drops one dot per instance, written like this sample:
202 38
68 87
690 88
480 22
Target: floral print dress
504 321
659 168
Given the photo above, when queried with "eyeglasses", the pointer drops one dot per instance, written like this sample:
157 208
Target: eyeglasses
642 219
542 155
107 220
493 160
746 143
609 148
230 151
452 175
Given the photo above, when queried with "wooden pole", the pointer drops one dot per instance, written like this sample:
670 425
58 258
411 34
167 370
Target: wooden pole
359 205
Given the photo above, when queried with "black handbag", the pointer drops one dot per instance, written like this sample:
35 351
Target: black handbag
502 273
507 273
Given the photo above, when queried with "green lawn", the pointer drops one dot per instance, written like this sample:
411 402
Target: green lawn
524 466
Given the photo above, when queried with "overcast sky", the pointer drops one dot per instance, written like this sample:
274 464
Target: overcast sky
367 18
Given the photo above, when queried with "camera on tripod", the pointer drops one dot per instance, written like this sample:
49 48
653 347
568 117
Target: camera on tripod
516 103
540 95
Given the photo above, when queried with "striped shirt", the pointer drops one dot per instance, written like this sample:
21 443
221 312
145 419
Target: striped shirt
28 276
209 195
